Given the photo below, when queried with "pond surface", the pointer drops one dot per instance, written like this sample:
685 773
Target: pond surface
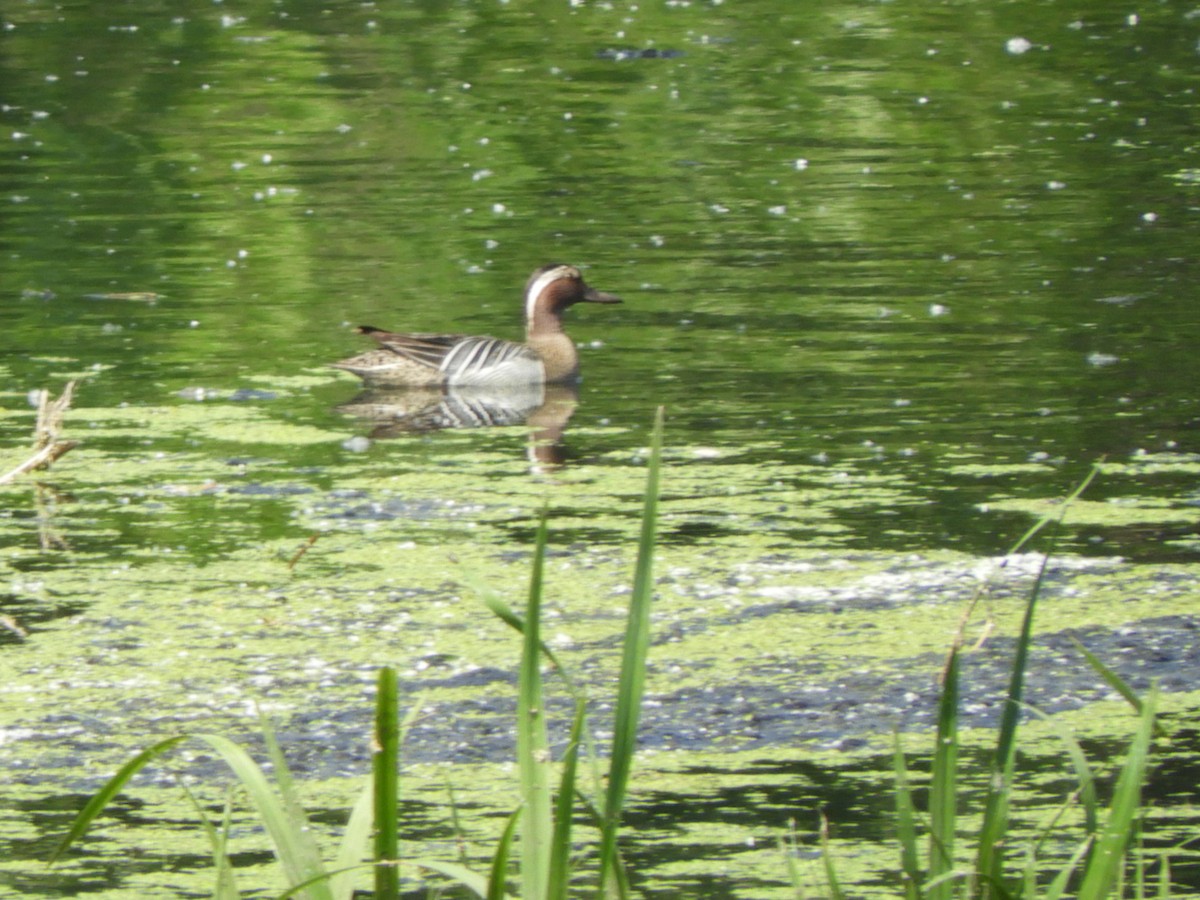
900 275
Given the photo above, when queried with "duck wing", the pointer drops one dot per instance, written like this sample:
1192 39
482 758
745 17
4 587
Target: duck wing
463 359
428 350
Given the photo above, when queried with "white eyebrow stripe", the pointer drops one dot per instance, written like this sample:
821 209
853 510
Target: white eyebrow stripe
535 289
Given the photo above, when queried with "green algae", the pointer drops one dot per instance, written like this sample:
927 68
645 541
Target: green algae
200 591
1122 513
995 470
228 422
409 578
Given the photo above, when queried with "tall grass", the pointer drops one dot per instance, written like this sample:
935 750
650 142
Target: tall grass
539 839
989 869
541 828
1092 871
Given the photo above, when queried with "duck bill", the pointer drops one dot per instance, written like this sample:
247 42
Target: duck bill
591 295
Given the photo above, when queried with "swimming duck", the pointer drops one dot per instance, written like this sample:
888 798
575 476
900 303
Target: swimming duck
548 356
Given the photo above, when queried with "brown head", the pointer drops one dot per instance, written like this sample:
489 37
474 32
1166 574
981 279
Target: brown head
553 288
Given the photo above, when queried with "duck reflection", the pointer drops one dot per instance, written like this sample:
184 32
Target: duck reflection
545 408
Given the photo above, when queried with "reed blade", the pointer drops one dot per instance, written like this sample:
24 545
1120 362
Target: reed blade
386 770
111 788
560 853
1107 862
942 789
906 827
633 664
533 747
291 838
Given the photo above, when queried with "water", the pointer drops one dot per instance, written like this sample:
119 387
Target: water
899 278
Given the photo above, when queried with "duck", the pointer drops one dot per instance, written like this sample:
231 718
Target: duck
548 355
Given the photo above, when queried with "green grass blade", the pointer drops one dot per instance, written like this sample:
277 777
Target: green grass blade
1083 771
226 878
906 828
942 795
1058 513
353 846
560 852
1164 876
633 663
357 835
789 848
497 878
619 888
112 787
992 833
533 748
284 782
386 770
1139 868
294 845
293 811
831 878
456 826
218 839
506 615
472 881
1106 863
1117 683
1030 875
502 611
1062 879
330 877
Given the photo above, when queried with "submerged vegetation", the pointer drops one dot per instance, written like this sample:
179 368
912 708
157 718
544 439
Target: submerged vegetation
539 854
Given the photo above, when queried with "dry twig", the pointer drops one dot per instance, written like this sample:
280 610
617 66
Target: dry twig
46 445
